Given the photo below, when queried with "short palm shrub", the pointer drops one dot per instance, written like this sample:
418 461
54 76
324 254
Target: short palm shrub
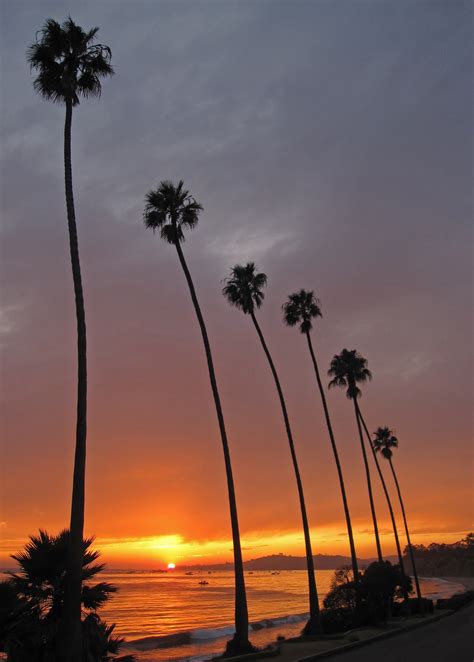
32 603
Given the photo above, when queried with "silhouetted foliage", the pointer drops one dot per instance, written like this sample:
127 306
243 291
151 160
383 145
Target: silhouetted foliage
244 287
335 620
341 593
301 308
171 209
442 559
244 290
32 602
380 585
347 370
388 499
69 65
456 601
384 442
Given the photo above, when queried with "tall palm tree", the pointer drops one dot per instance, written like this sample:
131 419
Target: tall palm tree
244 290
301 308
69 66
389 504
384 441
348 369
171 209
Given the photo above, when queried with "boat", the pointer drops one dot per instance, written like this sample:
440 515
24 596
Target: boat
203 583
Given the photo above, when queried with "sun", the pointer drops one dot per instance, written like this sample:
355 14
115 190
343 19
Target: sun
171 566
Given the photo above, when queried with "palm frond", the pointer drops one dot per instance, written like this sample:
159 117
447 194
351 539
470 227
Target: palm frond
300 308
351 367
171 208
384 440
244 287
93 597
69 65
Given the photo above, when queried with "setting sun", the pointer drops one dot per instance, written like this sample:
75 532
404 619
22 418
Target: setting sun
294 215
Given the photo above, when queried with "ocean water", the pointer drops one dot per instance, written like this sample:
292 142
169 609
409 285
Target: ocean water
172 616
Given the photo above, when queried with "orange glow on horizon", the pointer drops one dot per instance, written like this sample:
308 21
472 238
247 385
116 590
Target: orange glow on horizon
154 552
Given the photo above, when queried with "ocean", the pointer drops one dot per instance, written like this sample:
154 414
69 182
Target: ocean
174 616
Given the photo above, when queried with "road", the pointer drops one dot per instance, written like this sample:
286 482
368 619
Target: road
449 640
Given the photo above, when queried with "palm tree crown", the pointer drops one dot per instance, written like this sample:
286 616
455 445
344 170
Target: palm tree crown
69 63
43 565
243 288
171 208
384 440
347 369
300 308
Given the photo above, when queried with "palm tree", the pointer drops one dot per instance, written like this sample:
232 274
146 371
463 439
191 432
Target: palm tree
243 289
70 65
171 209
384 441
348 369
38 588
300 308
389 504
42 569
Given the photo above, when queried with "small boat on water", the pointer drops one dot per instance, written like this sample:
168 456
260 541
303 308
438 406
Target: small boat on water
203 583
189 573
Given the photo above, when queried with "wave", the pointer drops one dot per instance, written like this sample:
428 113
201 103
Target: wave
206 634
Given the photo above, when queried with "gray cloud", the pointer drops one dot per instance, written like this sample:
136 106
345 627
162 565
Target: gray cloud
328 141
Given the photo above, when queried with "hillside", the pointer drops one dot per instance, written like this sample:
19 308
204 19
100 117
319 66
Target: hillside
286 562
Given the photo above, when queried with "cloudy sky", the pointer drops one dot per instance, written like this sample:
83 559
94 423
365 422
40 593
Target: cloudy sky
329 142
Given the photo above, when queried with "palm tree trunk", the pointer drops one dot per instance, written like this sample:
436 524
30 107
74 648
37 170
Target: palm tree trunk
240 643
70 635
314 625
355 568
369 482
389 503
410 548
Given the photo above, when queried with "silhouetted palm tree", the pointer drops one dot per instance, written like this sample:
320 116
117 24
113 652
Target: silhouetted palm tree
301 308
348 369
41 575
171 209
243 289
39 589
70 65
384 441
389 504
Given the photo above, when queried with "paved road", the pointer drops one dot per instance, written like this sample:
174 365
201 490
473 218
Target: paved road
448 640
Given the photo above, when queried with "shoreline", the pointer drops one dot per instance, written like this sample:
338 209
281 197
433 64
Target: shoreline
467 582
187 646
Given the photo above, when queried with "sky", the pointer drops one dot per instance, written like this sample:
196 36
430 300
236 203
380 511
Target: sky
329 142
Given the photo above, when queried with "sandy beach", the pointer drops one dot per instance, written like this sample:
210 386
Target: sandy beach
467 582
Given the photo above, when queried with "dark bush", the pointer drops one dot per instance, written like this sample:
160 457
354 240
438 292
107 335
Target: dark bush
380 584
342 593
423 606
456 601
337 620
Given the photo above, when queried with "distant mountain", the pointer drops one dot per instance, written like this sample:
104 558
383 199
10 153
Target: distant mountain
284 562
